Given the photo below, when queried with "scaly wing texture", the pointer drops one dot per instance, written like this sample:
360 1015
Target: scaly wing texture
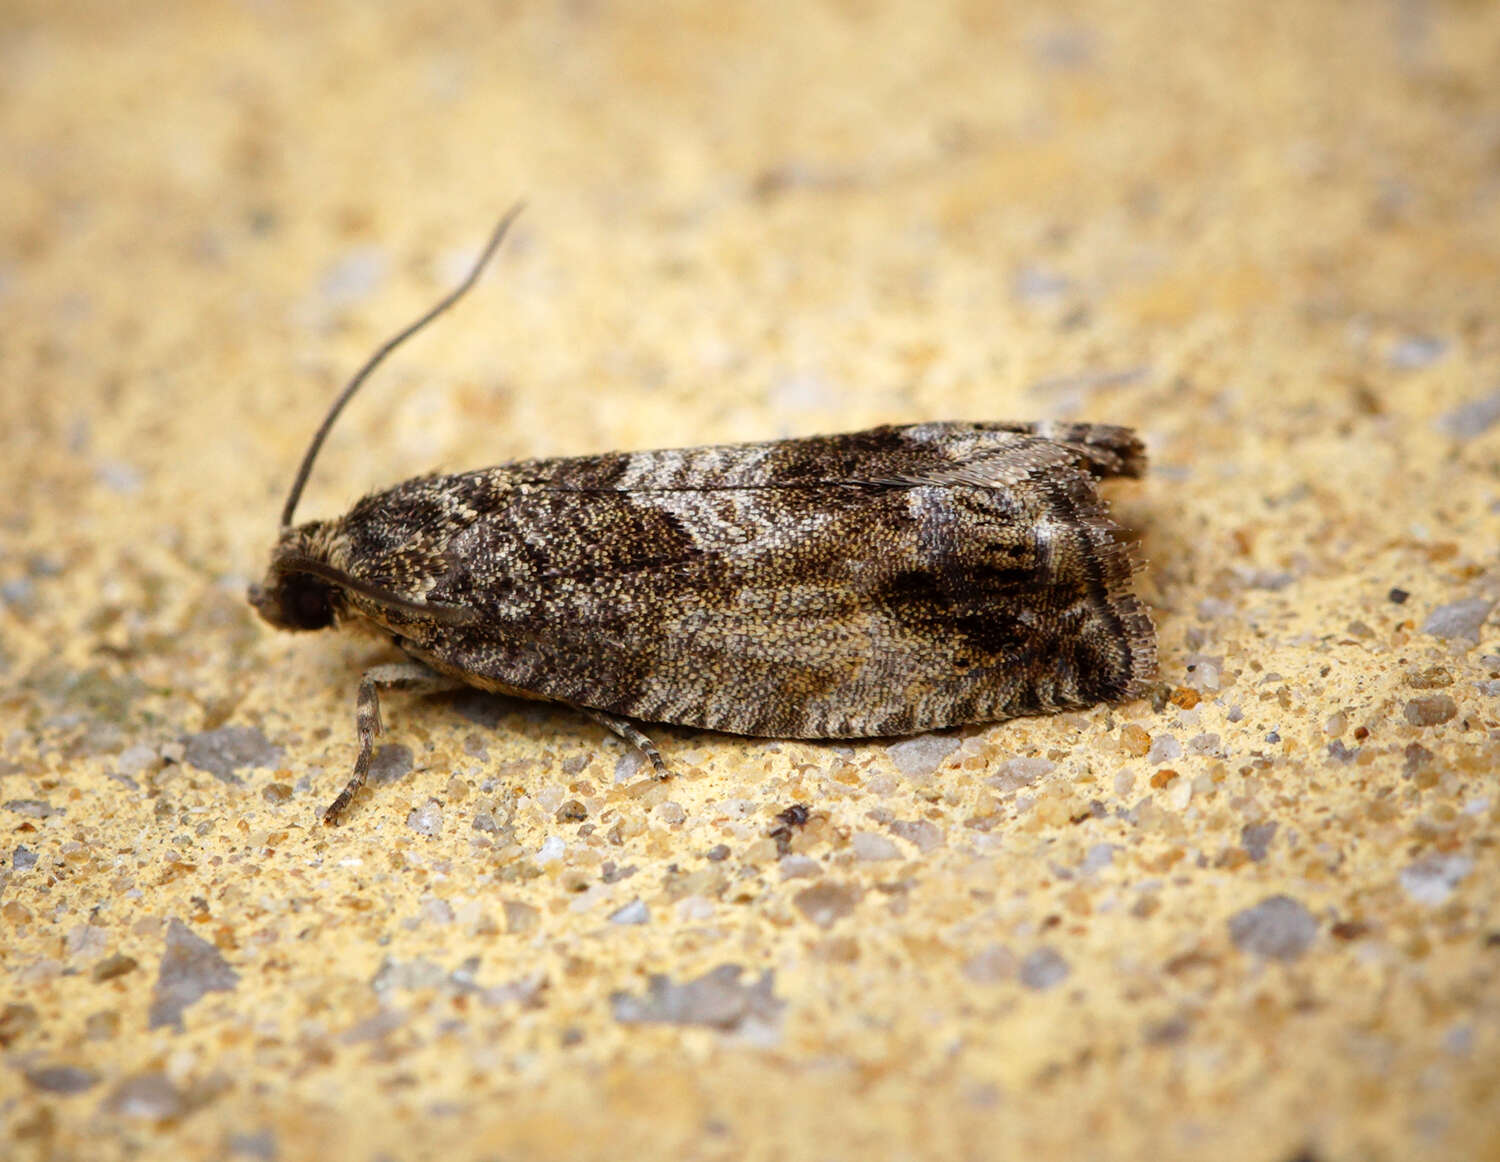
875 583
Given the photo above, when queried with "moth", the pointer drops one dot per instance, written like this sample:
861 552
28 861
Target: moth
870 584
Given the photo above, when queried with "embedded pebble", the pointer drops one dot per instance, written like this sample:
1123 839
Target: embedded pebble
1256 838
230 749
409 975
572 811
190 968
629 765
352 277
1277 928
85 940
390 762
112 966
994 964
1019 772
1097 858
799 867
65 1079
520 917
1430 711
1203 744
32 808
868 845
1340 753
260 1145
669 813
716 999
1164 748
1470 419
435 910
1044 969
119 476
923 834
827 902
921 756
634 912
1459 620
375 1027
427 819
134 760
1415 352
1433 878
148 1095
23 858
1203 672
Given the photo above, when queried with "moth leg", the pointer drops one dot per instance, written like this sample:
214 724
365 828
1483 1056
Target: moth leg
631 733
406 675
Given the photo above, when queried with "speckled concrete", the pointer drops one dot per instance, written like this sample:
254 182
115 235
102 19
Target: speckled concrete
1250 917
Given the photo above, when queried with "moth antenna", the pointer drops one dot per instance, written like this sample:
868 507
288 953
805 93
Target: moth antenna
385 349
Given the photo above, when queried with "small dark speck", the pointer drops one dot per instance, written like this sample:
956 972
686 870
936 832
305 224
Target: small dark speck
795 815
1273 737
1397 596
717 853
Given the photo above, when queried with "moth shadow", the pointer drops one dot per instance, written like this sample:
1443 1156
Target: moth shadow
543 722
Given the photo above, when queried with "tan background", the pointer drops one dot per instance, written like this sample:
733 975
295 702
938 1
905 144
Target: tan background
1253 917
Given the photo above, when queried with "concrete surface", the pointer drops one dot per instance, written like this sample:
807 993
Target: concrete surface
1251 917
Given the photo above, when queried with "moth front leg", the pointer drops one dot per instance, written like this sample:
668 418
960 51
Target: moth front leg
632 734
403 675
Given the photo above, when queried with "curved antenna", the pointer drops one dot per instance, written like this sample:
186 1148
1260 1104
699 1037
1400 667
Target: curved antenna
381 352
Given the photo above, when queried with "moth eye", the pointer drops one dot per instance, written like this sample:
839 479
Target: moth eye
305 603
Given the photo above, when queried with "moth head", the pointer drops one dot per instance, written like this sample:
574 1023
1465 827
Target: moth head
297 593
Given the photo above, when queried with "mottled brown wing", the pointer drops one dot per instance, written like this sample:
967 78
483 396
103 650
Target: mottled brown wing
876 583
